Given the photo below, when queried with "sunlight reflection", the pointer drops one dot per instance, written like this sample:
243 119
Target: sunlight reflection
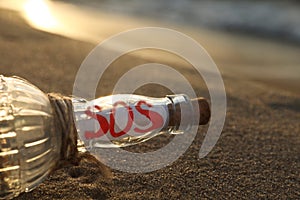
39 14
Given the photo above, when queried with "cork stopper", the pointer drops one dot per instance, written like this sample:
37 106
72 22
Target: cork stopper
203 108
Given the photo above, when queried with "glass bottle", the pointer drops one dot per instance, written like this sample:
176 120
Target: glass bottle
29 144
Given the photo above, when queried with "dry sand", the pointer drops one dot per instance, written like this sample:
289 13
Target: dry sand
257 155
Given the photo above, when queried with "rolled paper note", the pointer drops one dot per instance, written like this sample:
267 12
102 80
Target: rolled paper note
123 120
37 131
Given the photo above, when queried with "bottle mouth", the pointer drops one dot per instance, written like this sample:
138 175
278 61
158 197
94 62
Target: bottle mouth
183 115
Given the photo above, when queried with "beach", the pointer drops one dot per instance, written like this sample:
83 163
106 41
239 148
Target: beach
257 155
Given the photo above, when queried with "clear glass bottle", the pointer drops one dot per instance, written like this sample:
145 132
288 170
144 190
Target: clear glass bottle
30 145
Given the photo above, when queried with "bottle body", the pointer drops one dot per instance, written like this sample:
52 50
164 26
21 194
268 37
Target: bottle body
28 144
123 120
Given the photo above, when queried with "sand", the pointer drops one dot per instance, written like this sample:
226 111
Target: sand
257 155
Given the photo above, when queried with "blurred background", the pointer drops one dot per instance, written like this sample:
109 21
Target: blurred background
268 18
249 40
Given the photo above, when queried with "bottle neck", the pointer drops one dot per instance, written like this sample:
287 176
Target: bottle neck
181 114
123 120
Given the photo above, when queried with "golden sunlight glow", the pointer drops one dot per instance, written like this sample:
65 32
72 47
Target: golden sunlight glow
39 15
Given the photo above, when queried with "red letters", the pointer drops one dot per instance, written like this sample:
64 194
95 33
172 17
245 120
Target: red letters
112 120
104 126
155 118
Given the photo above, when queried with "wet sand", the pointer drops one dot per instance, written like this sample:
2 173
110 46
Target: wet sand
257 155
